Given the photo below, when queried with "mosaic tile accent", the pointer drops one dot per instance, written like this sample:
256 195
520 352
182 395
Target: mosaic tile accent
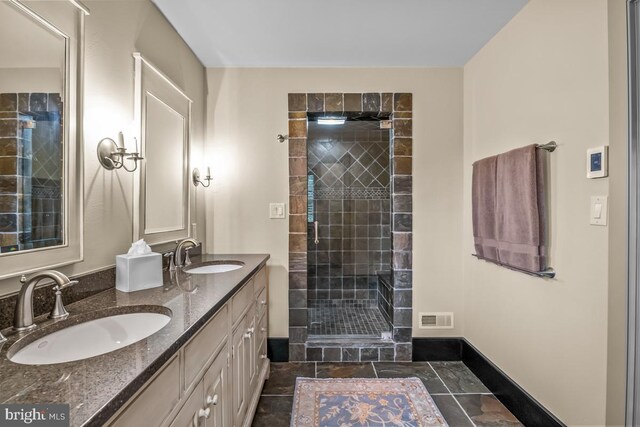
398 107
352 193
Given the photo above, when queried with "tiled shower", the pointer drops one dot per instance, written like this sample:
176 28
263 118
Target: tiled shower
349 205
350 226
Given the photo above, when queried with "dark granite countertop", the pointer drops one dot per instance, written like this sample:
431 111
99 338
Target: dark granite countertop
97 387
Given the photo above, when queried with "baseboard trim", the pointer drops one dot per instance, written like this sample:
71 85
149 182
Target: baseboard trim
278 349
521 404
437 349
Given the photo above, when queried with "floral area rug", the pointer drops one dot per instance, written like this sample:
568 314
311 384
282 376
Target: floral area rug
354 402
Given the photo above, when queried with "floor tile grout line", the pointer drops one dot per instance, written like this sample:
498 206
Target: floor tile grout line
451 394
463 410
463 394
277 395
438 375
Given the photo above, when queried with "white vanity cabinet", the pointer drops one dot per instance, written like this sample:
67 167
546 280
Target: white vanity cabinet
249 349
216 378
207 403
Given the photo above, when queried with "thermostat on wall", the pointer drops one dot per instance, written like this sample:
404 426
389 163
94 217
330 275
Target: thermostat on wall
597 162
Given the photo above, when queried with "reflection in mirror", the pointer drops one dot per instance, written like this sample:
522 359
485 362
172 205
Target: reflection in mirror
32 76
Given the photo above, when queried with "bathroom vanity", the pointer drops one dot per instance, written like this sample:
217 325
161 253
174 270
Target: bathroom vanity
206 367
215 378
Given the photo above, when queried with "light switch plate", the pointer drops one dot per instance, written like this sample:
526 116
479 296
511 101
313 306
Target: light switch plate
277 211
599 210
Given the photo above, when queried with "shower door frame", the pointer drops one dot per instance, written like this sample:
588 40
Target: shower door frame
399 107
632 415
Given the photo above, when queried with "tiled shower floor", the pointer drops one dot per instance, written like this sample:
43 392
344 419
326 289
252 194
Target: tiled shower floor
342 319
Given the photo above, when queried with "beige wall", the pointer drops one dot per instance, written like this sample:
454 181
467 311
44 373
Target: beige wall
544 77
114 30
28 80
247 108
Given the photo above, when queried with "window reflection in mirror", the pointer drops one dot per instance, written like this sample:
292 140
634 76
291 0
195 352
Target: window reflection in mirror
32 75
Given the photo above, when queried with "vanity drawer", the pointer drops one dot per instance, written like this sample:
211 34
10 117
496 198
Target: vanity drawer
156 401
260 280
242 299
204 345
261 303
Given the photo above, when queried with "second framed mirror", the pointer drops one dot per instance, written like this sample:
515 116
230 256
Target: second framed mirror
161 190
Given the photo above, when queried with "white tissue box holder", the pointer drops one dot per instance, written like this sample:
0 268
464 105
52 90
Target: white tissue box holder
138 272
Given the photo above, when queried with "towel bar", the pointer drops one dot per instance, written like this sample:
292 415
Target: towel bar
549 146
549 273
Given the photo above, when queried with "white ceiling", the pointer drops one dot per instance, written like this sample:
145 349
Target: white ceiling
337 33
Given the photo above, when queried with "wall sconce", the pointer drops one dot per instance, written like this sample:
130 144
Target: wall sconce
195 176
112 156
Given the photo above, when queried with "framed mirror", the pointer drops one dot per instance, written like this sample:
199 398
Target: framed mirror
161 193
40 161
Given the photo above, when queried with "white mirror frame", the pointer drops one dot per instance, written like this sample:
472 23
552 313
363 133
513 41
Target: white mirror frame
151 82
70 26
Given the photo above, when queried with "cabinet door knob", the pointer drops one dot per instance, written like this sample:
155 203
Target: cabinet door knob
212 400
263 356
200 414
250 330
263 302
263 329
247 336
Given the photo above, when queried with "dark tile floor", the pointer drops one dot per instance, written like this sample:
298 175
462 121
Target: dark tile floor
460 395
340 321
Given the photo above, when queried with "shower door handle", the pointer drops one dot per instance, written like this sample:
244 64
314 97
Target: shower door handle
315 229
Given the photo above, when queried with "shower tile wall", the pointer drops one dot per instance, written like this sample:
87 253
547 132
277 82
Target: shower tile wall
397 106
30 170
349 196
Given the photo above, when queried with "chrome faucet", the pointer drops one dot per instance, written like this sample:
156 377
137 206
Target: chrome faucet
177 254
23 318
170 256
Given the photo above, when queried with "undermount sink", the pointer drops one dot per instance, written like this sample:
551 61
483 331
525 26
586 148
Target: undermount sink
215 267
90 338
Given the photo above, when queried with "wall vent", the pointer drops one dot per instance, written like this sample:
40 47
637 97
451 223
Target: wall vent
442 320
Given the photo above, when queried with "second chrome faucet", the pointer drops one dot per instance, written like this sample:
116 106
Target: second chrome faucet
176 260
